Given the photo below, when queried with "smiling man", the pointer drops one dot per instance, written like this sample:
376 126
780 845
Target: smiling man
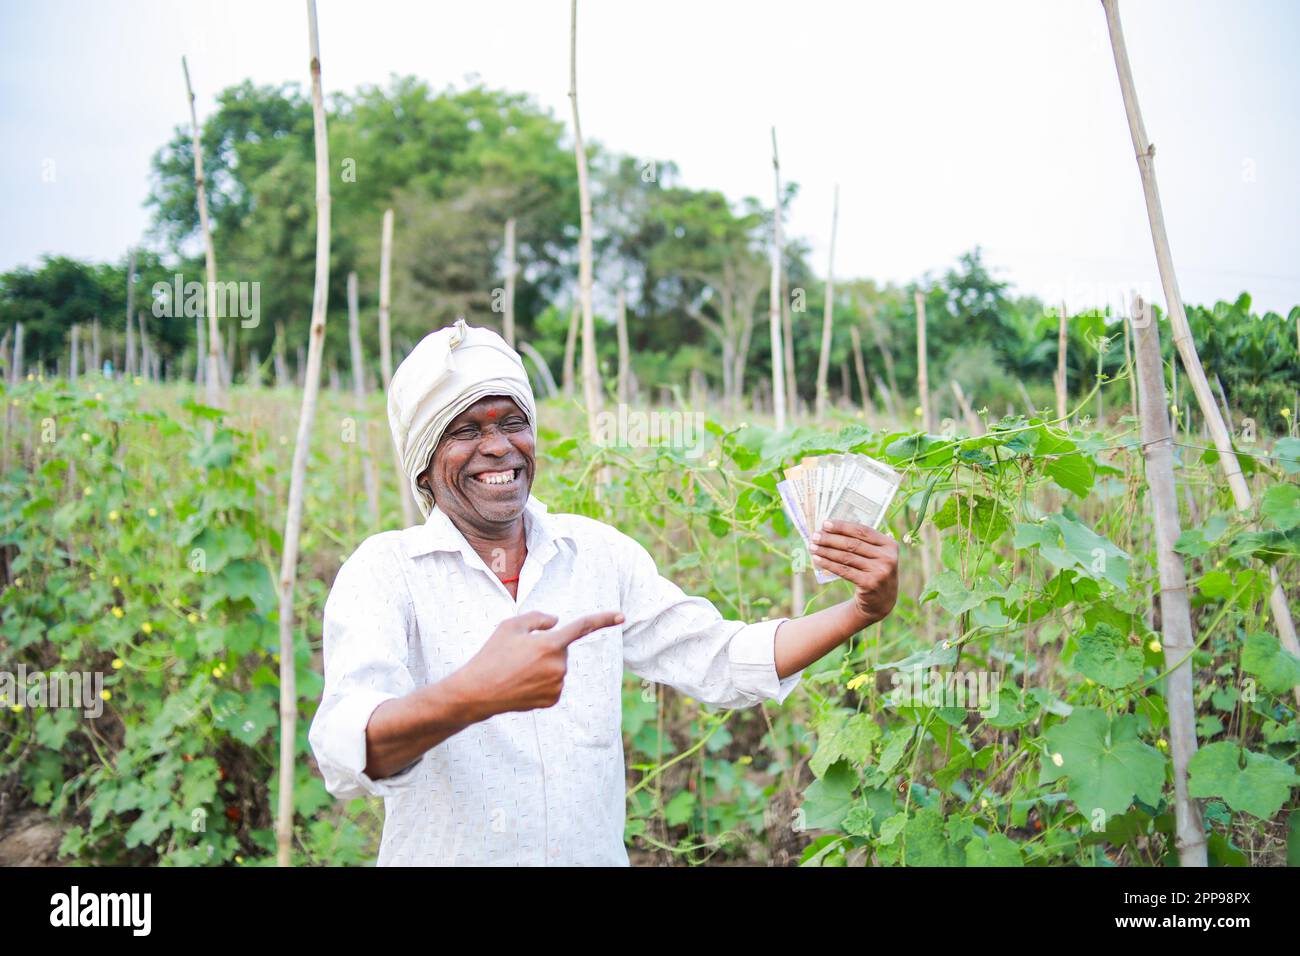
474 663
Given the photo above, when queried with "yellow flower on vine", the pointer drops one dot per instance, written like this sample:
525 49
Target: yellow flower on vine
118 613
117 663
147 627
856 682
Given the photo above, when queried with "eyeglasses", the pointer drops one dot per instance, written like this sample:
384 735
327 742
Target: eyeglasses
474 433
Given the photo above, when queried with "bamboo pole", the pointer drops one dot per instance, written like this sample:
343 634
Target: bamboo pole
359 394
508 321
73 367
1175 609
129 368
787 338
385 281
201 349
591 390
860 368
973 424
95 354
297 480
281 362
570 347
922 364
1129 367
828 315
548 380
212 377
624 352
410 516
1145 152
144 346
774 300
1062 343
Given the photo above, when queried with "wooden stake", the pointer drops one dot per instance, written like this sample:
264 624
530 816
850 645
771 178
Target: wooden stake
410 515
129 368
74 367
201 351
281 362
774 300
548 380
570 346
297 480
213 376
1062 343
591 390
973 424
860 367
624 351
1145 151
385 280
828 313
508 322
1175 609
359 394
922 364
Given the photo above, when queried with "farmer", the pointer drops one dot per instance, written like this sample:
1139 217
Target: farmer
474 663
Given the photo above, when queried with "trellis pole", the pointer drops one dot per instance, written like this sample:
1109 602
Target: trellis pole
297 480
1145 152
1175 608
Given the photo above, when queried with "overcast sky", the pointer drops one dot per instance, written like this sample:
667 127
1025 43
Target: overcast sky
946 124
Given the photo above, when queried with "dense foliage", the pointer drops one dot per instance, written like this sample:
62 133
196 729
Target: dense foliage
134 547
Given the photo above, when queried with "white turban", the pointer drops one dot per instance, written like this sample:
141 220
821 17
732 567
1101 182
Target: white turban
445 374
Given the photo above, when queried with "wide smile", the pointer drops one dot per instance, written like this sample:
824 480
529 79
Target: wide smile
505 479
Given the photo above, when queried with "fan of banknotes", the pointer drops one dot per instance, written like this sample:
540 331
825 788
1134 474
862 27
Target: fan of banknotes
836 488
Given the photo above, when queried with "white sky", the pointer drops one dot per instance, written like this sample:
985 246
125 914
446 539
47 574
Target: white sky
946 123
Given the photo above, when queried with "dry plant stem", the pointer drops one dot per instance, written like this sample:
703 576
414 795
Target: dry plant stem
828 315
212 377
774 301
1145 152
297 480
1175 611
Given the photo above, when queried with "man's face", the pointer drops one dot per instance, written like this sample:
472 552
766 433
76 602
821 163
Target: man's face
482 467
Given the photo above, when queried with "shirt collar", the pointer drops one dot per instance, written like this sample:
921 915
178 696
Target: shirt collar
542 531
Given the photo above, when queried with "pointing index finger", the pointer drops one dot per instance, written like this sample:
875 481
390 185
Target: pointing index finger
583 626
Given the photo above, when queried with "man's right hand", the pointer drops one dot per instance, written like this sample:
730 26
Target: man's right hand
523 664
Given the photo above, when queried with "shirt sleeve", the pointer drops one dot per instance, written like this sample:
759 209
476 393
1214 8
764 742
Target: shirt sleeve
365 630
672 638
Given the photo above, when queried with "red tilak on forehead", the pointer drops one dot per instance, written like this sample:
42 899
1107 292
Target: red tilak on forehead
492 413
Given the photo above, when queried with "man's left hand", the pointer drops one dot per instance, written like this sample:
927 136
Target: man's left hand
866 559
